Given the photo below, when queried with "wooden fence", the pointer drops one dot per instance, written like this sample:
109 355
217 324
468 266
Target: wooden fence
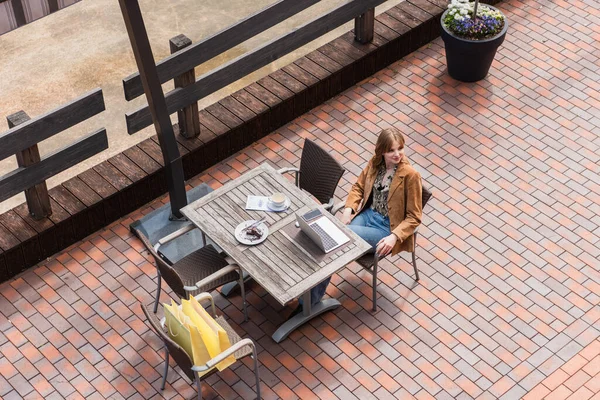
22 140
180 65
16 13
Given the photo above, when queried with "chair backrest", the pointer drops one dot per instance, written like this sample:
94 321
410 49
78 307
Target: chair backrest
425 196
166 271
176 351
320 173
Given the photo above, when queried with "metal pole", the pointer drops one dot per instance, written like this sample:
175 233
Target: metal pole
132 15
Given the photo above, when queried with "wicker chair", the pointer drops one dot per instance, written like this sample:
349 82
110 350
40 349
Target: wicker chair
319 173
240 348
202 270
370 261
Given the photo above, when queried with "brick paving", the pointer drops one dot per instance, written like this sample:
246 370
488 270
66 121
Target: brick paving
508 301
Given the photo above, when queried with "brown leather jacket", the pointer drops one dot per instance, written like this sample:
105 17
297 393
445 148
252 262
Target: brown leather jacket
404 202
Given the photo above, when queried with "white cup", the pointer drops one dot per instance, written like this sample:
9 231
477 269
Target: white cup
277 199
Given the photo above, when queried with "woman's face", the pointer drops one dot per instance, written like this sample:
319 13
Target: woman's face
394 155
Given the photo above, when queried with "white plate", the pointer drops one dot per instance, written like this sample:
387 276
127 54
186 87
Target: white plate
282 207
243 238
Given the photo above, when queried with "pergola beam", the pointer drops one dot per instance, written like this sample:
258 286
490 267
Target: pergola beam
134 22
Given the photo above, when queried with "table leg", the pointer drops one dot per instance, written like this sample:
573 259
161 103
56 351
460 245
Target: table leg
306 304
308 313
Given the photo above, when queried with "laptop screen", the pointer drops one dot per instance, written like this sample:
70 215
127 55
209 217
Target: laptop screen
322 230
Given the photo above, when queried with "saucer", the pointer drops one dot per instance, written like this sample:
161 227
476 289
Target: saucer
283 207
243 238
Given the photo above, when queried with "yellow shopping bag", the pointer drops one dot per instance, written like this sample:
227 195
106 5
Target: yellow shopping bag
213 336
185 331
178 329
205 342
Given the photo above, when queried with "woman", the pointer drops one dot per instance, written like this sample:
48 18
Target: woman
385 202
386 198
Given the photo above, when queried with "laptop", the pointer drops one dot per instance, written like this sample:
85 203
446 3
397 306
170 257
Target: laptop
321 230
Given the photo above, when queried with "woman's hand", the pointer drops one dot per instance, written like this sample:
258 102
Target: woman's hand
346 216
386 245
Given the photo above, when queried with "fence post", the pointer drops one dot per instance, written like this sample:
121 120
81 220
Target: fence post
19 12
364 26
52 5
37 198
188 118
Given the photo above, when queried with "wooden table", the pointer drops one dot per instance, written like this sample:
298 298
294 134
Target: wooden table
287 264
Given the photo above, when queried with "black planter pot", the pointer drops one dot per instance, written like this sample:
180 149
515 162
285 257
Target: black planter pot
470 60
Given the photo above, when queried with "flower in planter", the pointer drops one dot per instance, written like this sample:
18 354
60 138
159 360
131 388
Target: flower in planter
459 20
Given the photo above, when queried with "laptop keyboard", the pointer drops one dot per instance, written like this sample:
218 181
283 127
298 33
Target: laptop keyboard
328 241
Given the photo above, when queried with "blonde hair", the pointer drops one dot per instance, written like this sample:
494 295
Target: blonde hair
386 139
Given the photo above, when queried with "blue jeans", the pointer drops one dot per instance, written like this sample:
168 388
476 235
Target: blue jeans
371 227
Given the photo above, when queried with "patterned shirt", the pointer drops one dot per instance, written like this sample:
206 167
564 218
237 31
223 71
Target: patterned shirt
381 190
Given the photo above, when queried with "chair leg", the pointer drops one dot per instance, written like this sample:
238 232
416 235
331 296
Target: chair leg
256 372
243 290
375 262
164 381
158 282
414 258
199 386
203 238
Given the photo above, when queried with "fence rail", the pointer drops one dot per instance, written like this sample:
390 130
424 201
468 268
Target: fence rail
230 72
23 178
35 130
218 43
